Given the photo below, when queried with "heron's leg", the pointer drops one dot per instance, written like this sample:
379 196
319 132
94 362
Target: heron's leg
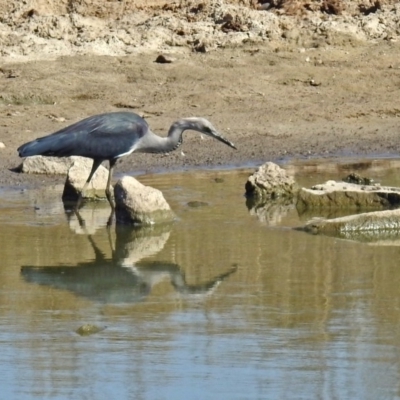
96 164
81 221
108 191
110 197
111 218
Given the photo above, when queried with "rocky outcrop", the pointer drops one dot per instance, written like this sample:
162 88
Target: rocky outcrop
138 204
76 179
39 29
334 194
270 182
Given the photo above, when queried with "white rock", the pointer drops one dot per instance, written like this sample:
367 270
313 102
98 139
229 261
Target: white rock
139 204
76 179
52 165
332 194
373 27
270 182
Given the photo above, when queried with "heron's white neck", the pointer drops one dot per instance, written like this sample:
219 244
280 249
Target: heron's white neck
152 143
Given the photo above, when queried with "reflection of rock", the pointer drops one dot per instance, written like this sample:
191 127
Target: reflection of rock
270 212
89 219
270 182
347 195
132 245
139 204
51 165
122 279
391 239
328 213
76 179
366 224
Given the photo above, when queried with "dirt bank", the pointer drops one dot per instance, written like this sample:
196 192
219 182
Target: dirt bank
276 85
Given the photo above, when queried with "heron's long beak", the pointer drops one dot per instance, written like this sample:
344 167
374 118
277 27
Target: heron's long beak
219 137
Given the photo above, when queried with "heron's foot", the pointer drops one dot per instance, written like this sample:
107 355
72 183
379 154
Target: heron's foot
110 199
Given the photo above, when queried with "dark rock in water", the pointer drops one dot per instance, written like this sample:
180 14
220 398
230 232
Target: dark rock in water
358 180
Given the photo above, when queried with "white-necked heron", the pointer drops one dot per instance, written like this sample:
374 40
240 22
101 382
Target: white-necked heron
113 135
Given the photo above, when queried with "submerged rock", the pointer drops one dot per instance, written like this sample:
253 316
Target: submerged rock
270 182
378 221
196 204
76 179
140 204
334 194
89 329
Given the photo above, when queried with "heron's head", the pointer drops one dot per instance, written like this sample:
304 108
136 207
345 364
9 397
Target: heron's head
204 126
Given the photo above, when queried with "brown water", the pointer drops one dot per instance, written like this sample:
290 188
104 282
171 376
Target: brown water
226 303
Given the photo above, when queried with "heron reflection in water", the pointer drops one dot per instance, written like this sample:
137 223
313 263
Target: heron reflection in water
123 278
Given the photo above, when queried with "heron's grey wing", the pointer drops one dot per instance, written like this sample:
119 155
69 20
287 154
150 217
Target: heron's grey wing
116 135
103 137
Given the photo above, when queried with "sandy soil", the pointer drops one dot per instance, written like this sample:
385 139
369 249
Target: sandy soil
272 98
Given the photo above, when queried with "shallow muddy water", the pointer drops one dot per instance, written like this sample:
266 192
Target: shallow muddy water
226 303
